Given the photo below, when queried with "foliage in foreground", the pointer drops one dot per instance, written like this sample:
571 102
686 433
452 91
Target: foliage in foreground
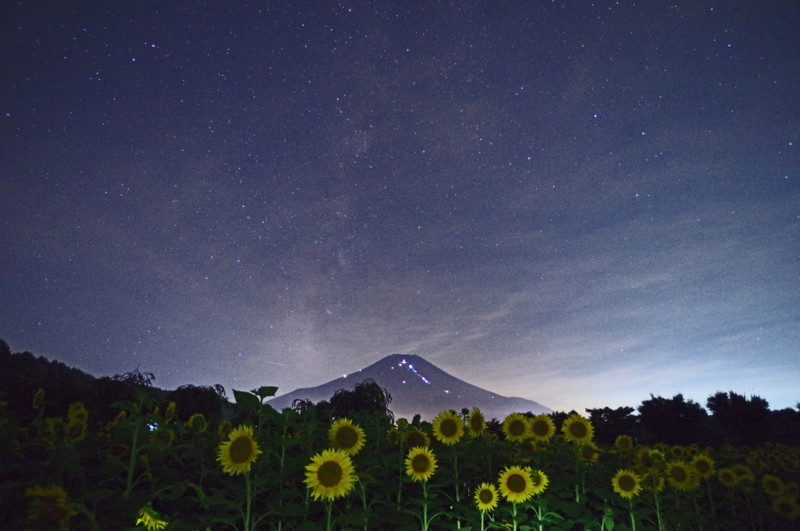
155 466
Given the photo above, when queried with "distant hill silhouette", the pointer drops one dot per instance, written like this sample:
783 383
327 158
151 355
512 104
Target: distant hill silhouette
417 386
22 373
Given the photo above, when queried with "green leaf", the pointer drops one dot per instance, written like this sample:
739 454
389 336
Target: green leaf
246 399
265 390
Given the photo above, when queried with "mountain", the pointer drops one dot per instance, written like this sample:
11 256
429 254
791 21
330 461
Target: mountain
417 386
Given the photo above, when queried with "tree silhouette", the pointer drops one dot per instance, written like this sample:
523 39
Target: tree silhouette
737 420
673 420
136 378
608 423
190 399
366 401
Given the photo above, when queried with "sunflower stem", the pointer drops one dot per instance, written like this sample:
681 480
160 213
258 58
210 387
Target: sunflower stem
514 514
364 503
400 481
630 511
658 511
248 501
328 515
425 506
455 472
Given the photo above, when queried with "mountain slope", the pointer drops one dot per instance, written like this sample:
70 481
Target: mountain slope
417 386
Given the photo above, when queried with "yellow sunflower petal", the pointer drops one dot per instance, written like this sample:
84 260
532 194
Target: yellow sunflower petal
448 427
330 475
420 463
626 483
346 436
486 497
239 452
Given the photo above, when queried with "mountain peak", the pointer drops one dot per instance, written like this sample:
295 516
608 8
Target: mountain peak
417 387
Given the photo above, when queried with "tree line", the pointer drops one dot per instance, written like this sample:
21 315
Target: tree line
727 419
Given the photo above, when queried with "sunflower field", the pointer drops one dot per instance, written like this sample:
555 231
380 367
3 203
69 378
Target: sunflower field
154 467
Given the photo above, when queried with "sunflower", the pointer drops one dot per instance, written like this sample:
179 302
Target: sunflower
680 475
516 427
653 481
679 452
448 427
330 475
587 452
163 436
476 422
150 519
77 413
626 483
540 481
786 507
238 453
516 483
650 458
75 430
773 486
486 497
577 429
169 414
727 477
542 427
346 436
197 423
420 463
50 507
415 437
745 474
224 428
623 443
528 446
703 465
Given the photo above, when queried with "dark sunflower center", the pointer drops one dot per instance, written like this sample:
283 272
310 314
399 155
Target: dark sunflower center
486 496
346 437
540 428
449 428
516 428
516 483
528 447
75 429
415 439
52 511
701 466
678 473
420 463
241 450
578 430
627 483
476 423
330 474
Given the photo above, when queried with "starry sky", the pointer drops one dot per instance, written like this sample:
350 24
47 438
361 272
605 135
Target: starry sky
580 204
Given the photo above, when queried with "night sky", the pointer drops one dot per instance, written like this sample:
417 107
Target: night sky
577 204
